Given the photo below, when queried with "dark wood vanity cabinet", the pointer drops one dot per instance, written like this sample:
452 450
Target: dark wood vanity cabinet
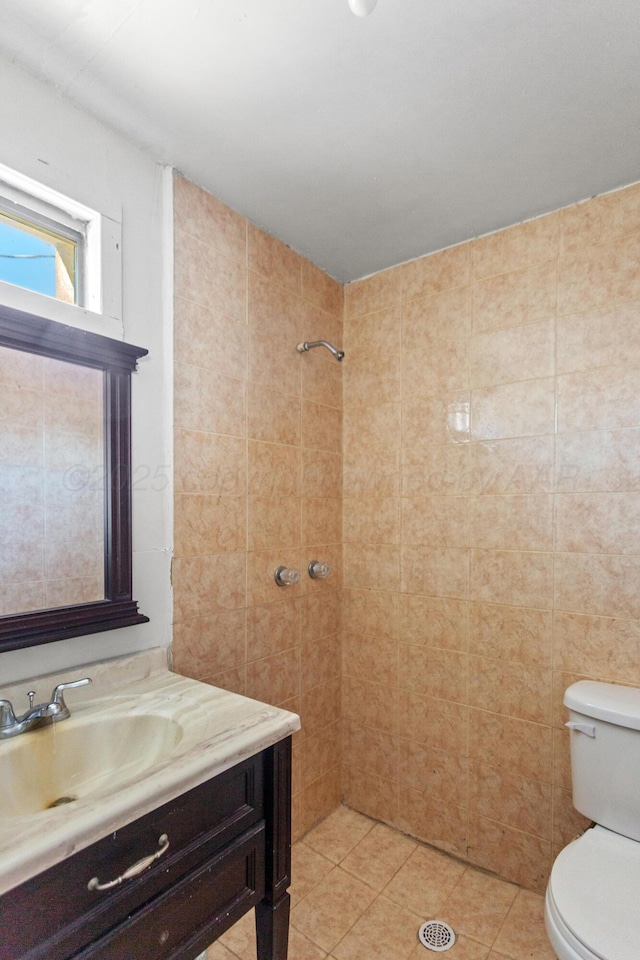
229 849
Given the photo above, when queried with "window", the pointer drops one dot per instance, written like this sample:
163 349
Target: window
40 253
55 247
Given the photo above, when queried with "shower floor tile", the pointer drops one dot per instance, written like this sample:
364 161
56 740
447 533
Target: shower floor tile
361 890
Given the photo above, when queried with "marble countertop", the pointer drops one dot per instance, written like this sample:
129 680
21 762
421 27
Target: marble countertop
218 730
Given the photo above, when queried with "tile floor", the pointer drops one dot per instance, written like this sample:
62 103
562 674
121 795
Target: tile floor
361 890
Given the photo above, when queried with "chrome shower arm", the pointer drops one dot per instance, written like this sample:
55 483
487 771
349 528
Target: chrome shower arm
303 347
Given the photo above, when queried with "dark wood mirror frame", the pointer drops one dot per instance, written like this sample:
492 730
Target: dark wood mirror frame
32 334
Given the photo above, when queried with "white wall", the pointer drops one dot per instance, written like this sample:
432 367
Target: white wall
46 138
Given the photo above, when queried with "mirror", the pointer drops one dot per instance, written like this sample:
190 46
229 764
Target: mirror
65 466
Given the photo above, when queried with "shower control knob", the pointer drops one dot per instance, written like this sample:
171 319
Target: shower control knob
319 570
285 577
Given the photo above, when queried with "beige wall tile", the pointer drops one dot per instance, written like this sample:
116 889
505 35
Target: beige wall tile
321 473
322 290
208 402
274 259
435 571
442 672
373 751
321 613
376 797
517 634
598 646
321 427
370 658
320 661
434 372
514 689
595 276
206 646
434 621
442 317
598 523
276 678
372 344
433 820
199 214
599 460
321 520
443 470
272 417
601 585
210 339
517 353
206 525
605 399
513 410
210 277
516 247
441 724
518 465
371 520
503 576
320 706
516 298
433 772
378 292
370 704
440 271
273 627
274 522
205 586
209 463
522 804
512 523
515 747
435 420
600 338
375 567
321 379
513 854
274 469
373 613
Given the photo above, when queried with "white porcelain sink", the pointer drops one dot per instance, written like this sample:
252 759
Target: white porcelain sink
138 737
76 758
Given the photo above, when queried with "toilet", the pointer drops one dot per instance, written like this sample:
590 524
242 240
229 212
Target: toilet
592 906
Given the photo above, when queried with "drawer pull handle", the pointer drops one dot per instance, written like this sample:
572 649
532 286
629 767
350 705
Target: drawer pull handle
134 870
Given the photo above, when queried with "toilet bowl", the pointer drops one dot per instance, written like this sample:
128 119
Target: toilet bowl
592 905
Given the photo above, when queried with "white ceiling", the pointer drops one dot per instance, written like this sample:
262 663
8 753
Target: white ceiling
359 142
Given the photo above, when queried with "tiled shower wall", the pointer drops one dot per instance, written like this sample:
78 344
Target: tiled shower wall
258 479
491 526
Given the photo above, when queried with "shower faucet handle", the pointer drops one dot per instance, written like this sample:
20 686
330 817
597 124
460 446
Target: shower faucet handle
319 570
285 577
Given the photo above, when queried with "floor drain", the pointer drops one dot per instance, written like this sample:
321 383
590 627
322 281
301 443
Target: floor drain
436 935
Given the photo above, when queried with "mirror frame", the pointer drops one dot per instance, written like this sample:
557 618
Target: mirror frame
33 334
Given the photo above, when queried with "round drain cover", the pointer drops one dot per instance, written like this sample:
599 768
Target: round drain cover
436 935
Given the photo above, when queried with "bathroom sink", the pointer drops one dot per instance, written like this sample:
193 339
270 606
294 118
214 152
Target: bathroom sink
79 758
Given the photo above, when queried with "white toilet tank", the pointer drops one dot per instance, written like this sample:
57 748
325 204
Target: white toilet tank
605 754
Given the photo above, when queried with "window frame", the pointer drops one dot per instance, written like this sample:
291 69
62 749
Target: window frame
102 268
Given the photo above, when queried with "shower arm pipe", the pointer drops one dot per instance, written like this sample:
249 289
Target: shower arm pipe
303 347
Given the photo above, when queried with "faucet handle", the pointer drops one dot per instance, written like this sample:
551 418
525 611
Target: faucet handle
7 716
57 697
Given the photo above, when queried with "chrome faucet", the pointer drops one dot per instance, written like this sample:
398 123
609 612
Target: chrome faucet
40 715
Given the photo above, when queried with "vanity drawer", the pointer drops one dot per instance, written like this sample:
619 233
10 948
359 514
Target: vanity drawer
195 911
54 915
